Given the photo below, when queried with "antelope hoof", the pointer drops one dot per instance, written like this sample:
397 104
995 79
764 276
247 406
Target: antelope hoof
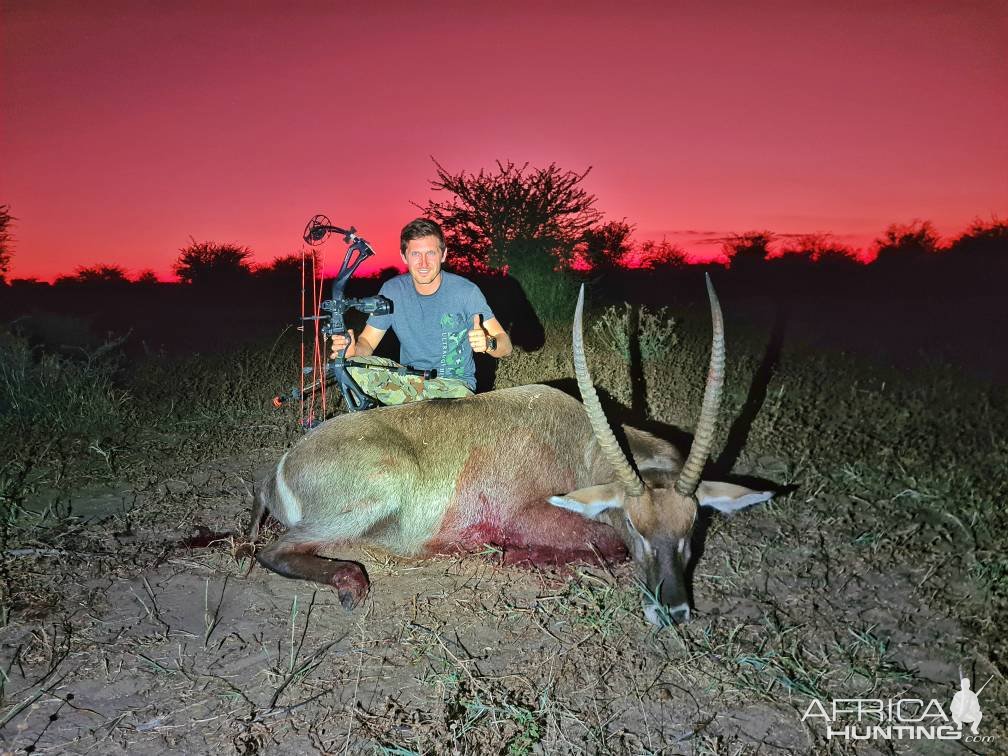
351 586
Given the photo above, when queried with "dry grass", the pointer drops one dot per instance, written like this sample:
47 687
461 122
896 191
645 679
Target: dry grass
880 575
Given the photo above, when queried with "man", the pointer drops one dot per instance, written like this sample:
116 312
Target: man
440 319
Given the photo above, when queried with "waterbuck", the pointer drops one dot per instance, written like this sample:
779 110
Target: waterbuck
528 469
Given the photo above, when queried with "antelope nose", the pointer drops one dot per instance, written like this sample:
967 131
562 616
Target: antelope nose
663 616
679 614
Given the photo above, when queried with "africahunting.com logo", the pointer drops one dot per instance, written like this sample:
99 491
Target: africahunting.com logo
902 718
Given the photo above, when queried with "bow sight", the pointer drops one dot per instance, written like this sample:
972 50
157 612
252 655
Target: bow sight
335 371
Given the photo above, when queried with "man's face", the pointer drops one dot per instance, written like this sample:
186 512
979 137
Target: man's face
423 259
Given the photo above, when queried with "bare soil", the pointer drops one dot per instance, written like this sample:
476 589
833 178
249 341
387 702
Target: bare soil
144 645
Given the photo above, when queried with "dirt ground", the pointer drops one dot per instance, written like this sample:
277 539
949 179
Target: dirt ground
148 646
878 574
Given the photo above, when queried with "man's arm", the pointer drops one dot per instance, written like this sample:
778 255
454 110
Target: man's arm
363 346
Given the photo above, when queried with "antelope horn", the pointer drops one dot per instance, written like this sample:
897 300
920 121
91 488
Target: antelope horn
689 477
603 433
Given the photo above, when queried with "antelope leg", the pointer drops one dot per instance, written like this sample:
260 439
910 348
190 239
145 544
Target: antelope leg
302 563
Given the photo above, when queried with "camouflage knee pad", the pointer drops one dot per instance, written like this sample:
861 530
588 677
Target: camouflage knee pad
392 387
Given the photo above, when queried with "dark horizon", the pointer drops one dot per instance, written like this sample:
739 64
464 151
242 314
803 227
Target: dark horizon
814 249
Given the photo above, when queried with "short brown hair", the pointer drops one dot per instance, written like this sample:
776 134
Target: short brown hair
418 228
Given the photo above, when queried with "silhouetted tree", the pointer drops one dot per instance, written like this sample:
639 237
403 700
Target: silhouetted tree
652 254
146 278
368 284
493 216
285 265
206 263
910 242
812 263
5 240
607 247
389 271
526 219
604 248
749 249
29 282
818 247
984 239
287 270
95 275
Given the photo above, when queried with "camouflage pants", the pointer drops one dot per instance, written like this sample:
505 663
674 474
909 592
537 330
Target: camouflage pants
391 387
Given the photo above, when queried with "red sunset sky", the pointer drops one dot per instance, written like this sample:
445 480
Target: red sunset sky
128 127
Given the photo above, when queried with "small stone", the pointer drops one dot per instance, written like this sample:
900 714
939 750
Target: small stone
177 487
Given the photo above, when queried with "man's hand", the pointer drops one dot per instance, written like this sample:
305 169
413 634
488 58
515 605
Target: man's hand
478 335
340 340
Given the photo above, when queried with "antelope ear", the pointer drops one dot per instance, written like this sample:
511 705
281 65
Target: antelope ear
592 501
727 498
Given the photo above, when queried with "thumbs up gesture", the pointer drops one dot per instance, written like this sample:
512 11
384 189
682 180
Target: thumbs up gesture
478 335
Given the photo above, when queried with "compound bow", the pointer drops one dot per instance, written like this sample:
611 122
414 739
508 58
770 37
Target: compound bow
327 316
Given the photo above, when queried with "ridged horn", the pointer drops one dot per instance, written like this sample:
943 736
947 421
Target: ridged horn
603 433
689 477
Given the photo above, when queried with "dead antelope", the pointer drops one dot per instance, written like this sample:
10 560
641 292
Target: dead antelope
528 469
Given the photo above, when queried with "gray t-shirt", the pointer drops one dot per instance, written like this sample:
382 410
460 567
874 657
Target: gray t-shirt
433 329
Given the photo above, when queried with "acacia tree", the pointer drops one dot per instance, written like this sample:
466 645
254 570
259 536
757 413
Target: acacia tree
605 247
817 247
291 271
5 240
527 219
146 278
983 239
652 254
289 266
96 275
494 217
204 263
748 248
911 242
